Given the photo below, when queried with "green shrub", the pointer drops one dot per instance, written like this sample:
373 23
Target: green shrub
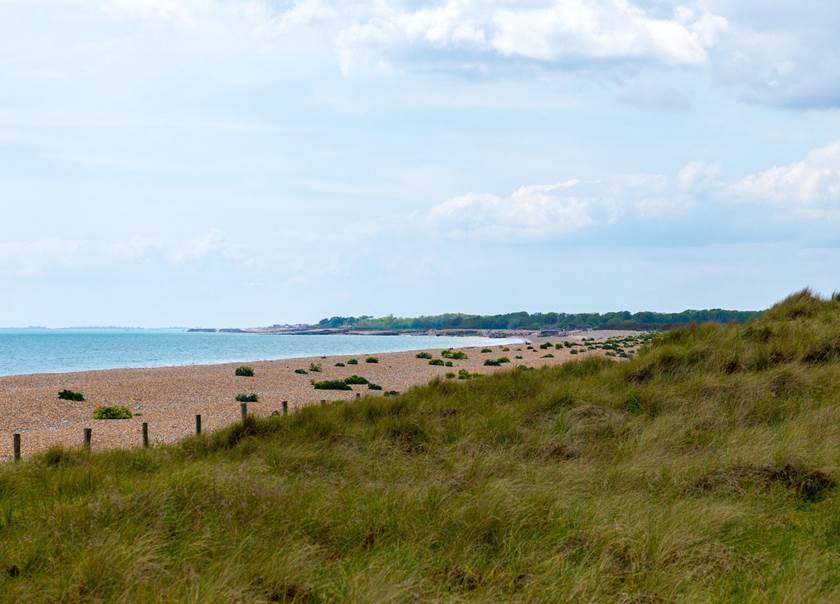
423 355
573 351
486 350
352 362
548 356
372 386
546 346
247 398
505 349
244 371
450 375
463 374
301 371
339 364
331 385
491 363
457 355
437 362
503 360
69 395
519 356
315 367
356 379
371 360
391 393
113 412
449 364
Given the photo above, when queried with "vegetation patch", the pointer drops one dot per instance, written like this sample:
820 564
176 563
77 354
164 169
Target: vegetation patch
355 379
423 355
331 385
371 360
352 362
436 362
301 371
69 395
457 355
315 367
244 371
112 412
247 398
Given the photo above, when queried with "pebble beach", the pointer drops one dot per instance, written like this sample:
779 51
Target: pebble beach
169 398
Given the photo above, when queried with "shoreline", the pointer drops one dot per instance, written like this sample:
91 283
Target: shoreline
467 341
169 398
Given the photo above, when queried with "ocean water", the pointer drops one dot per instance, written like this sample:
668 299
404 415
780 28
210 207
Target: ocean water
24 351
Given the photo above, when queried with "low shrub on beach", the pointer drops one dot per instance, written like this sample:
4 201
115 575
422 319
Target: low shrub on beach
463 374
548 356
355 379
491 363
301 371
315 367
352 362
486 350
247 398
113 412
371 360
372 386
244 371
436 362
449 364
450 375
339 364
457 355
423 355
331 385
503 360
69 395
392 393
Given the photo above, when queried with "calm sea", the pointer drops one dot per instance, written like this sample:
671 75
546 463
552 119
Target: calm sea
57 351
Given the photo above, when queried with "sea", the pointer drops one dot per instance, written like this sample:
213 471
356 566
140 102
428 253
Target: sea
35 350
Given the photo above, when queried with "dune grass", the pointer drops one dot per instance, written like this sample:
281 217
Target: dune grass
702 470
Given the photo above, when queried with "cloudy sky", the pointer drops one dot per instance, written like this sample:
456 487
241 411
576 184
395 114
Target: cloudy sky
246 162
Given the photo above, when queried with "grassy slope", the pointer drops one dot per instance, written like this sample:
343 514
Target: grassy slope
702 470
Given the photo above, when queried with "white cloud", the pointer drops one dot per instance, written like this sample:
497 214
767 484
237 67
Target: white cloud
812 184
559 210
547 32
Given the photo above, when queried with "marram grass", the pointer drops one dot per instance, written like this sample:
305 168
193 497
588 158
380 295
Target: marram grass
703 470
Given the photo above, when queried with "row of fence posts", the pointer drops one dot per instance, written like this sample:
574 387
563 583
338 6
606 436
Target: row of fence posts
88 432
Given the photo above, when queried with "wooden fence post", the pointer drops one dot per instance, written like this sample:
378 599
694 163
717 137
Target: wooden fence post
243 410
323 402
358 395
145 435
285 407
198 424
88 434
16 445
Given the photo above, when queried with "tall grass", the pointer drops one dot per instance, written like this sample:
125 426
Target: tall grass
702 470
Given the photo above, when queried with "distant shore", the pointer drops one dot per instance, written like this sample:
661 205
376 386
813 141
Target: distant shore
169 398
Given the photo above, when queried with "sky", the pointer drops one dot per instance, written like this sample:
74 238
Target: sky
251 162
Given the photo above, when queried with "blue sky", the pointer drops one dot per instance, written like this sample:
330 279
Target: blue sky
246 162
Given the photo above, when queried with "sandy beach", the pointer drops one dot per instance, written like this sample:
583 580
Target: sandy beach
169 398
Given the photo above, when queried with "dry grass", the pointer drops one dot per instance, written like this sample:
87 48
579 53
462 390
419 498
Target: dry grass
703 470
